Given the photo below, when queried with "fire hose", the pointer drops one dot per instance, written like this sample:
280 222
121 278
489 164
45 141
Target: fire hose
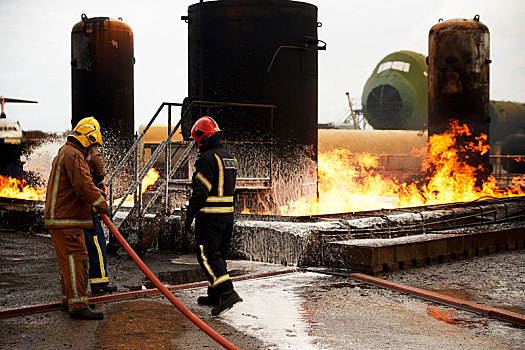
176 302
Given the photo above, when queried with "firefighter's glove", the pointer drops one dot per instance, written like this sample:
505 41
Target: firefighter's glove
103 189
106 211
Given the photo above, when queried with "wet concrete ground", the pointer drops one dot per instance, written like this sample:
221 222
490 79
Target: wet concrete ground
303 310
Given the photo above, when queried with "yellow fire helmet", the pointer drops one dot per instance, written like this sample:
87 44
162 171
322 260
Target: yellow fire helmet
87 134
90 121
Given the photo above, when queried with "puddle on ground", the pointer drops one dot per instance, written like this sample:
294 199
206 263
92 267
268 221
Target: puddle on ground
273 312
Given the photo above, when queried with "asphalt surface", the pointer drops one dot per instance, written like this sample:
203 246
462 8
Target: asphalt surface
301 310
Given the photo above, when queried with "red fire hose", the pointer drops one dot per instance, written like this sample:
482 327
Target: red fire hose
182 308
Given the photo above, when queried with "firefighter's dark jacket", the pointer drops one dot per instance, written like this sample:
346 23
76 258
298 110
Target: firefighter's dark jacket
213 182
96 166
71 193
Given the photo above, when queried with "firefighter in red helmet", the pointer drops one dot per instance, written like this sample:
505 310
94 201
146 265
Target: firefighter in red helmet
211 204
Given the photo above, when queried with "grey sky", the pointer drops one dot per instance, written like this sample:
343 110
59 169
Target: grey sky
35 43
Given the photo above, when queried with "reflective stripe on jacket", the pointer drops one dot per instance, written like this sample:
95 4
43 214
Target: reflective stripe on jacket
71 193
213 183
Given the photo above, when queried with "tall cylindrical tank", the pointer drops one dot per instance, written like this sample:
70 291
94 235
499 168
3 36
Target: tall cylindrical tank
395 95
256 51
259 52
458 78
102 77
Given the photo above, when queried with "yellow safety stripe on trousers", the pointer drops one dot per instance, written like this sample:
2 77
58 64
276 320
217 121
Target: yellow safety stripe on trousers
206 265
217 210
100 258
67 222
220 280
98 201
55 186
220 185
98 280
73 274
204 181
219 199
77 300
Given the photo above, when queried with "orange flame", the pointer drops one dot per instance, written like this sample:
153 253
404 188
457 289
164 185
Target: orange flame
14 188
150 179
350 182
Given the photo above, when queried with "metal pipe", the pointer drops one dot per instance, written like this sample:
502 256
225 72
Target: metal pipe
493 312
167 165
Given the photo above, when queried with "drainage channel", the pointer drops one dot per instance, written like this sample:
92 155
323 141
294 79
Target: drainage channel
496 313
135 294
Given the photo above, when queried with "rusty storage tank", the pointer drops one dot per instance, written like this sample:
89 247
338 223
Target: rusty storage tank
259 52
458 78
102 77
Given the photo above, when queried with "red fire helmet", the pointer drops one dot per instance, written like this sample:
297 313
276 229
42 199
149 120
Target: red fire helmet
203 129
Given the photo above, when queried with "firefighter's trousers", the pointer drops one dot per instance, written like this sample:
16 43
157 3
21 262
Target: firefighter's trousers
212 237
96 248
70 248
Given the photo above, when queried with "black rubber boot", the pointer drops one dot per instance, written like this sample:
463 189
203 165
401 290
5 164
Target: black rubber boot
96 289
65 307
208 300
86 314
226 301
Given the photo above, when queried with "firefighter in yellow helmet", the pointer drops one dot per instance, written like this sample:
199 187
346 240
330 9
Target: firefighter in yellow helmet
90 121
95 237
70 197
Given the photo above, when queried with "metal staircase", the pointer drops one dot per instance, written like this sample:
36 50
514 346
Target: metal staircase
142 223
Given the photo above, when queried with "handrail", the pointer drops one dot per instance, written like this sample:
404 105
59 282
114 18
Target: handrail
133 148
177 165
128 153
165 144
147 167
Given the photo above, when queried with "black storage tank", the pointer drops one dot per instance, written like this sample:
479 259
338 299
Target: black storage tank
102 78
260 52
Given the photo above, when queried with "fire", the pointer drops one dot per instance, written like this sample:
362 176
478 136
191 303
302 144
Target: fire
353 182
14 188
150 179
